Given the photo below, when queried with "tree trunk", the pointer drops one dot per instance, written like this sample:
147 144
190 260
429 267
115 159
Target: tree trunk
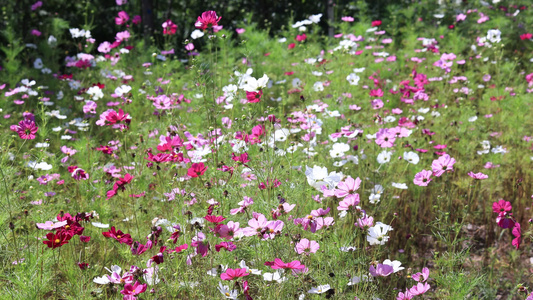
147 20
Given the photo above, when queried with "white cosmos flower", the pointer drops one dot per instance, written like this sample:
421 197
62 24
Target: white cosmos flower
229 294
100 225
39 166
377 235
253 85
401 186
357 279
384 157
38 63
315 18
411 157
318 86
319 289
276 276
123 89
197 34
281 135
494 36
353 79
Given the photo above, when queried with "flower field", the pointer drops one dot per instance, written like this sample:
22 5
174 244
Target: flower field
390 158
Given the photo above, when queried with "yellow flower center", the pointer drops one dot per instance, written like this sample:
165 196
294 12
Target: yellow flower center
57 241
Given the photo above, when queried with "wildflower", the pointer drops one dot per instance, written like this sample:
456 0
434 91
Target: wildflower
229 294
197 169
231 274
477 175
421 277
26 129
419 289
306 247
207 19
49 225
319 289
169 27
279 264
122 18
517 233
411 157
443 164
130 291
377 235
422 178
395 264
119 236
57 239
381 270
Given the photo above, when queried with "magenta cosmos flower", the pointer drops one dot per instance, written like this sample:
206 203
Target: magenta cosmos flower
279 264
207 19
423 178
169 27
26 129
197 169
306 247
233 273
130 291
443 164
502 207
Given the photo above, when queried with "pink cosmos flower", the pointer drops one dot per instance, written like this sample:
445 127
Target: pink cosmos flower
348 203
347 19
347 187
304 246
122 36
207 19
381 270
385 139
49 225
419 289
421 277
478 175
130 291
122 18
365 222
233 273
404 296
90 107
443 164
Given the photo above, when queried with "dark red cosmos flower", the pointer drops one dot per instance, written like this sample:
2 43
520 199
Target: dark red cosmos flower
291 46
84 238
376 23
83 266
207 19
118 235
254 97
138 248
57 240
197 169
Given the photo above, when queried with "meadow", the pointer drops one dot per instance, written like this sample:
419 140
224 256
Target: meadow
390 160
